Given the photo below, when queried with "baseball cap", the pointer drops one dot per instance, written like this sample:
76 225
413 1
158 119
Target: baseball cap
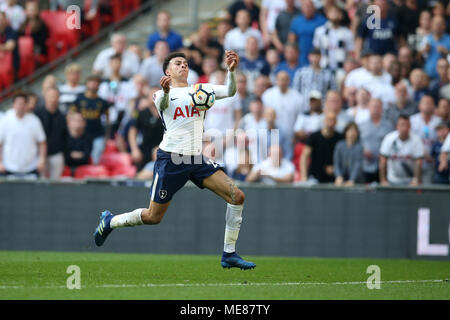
314 94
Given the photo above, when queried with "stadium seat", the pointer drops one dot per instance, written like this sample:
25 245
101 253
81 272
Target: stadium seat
26 53
91 28
111 147
6 70
115 160
91 171
62 39
296 160
66 172
127 171
118 11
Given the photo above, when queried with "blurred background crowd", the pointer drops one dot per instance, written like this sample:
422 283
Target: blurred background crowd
357 90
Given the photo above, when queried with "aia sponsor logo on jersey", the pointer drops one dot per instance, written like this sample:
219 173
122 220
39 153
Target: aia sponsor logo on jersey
188 112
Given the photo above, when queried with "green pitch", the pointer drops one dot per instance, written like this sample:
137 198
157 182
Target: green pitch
42 275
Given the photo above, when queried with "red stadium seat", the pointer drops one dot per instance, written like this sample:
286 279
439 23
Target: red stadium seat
91 171
115 160
127 171
91 28
296 160
111 147
66 172
26 52
118 11
6 70
62 39
135 4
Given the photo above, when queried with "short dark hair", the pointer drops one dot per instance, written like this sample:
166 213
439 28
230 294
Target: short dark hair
403 116
94 77
315 51
352 125
20 94
117 56
170 57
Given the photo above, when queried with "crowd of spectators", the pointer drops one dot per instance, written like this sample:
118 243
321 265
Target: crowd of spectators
351 100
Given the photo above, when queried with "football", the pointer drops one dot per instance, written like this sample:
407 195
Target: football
202 96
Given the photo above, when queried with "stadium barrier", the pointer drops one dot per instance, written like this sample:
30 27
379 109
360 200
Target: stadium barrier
320 221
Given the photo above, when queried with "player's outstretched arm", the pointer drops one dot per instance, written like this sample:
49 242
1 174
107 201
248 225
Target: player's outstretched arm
229 89
162 101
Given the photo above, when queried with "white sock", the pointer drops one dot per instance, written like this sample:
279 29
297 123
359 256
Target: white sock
233 220
128 219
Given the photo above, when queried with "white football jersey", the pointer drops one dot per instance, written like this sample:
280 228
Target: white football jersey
183 124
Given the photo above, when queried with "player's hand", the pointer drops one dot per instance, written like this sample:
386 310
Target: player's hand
165 83
2 168
231 59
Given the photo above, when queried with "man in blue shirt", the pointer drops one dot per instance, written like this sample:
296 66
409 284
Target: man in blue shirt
435 46
165 33
290 64
302 30
379 39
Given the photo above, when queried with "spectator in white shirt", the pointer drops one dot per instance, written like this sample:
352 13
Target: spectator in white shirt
379 82
14 13
333 103
275 169
268 15
130 61
117 91
152 67
401 155
312 121
256 129
72 88
22 141
287 103
423 124
359 75
236 38
360 112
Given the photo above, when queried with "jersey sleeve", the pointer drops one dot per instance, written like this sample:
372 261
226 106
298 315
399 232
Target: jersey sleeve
158 99
227 90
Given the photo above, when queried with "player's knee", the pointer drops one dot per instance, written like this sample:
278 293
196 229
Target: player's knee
239 197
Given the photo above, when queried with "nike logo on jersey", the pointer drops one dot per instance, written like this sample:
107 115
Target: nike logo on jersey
173 99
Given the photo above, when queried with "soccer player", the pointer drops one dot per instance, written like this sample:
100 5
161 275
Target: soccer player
179 159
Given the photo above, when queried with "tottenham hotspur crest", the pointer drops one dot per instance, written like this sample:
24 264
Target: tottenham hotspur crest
162 194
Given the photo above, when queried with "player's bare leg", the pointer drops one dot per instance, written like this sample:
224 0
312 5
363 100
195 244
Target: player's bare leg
155 212
225 187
